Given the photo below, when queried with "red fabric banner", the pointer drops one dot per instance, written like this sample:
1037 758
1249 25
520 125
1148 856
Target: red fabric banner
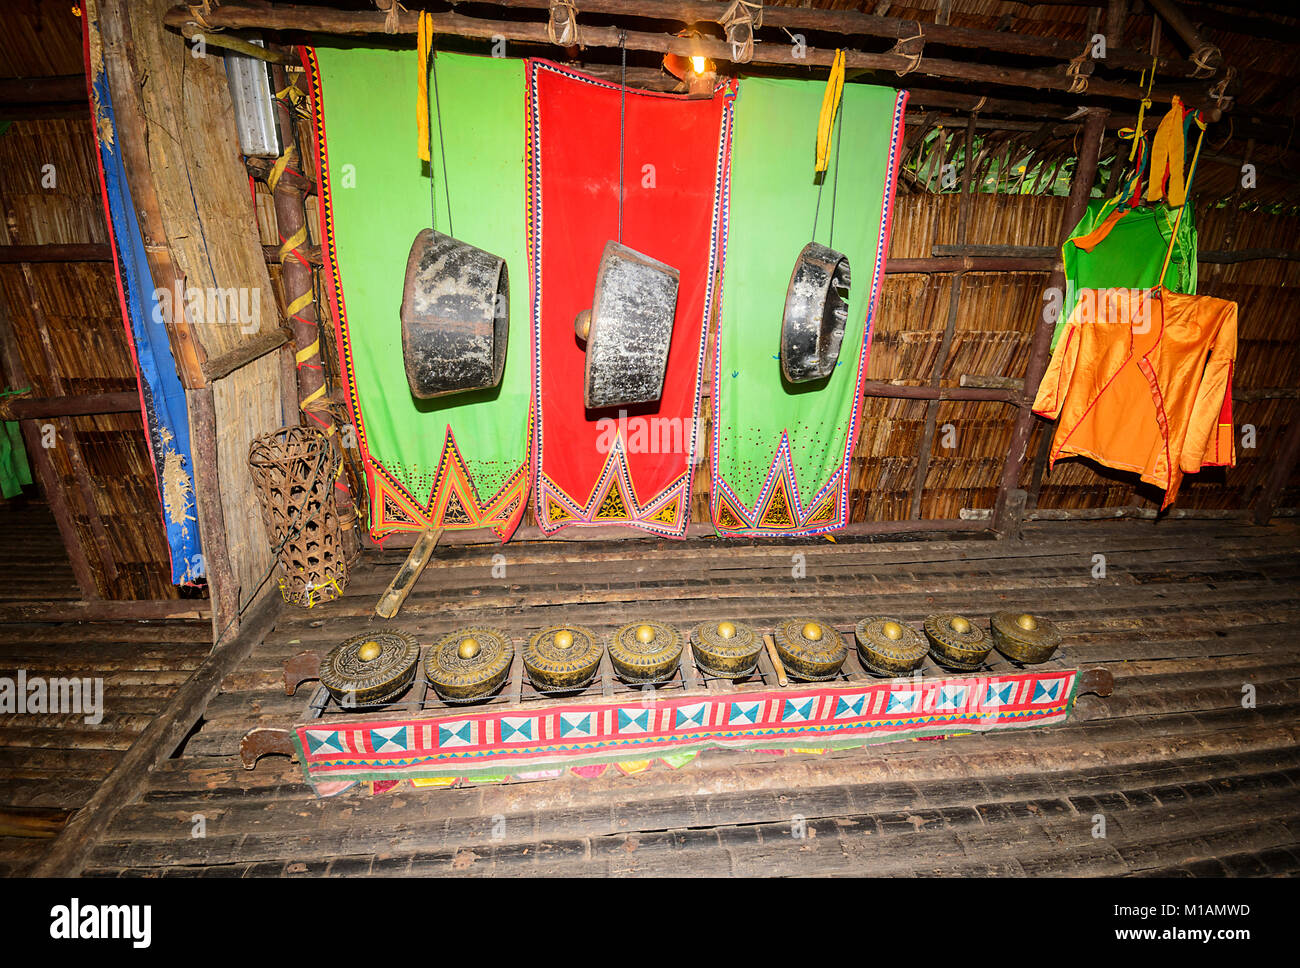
631 467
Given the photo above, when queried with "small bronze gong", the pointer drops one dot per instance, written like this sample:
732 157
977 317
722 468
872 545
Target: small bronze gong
1024 637
644 652
562 657
956 642
469 663
726 649
370 669
810 648
888 646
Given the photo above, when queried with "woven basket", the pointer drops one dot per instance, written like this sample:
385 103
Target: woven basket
293 471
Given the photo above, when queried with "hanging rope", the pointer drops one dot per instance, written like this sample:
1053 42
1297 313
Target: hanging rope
740 21
1075 70
622 125
392 11
562 27
910 47
1173 236
1219 92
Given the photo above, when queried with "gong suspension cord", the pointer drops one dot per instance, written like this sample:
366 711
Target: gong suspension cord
622 126
442 151
835 181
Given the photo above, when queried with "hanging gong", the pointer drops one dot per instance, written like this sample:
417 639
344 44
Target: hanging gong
562 657
956 642
370 669
469 663
726 649
888 646
645 652
1024 637
811 649
455 316
627 329
816 311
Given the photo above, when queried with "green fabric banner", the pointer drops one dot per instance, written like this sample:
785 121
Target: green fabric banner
781 451
459 461
1130 255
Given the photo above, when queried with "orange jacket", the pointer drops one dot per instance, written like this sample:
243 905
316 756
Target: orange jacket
1142 381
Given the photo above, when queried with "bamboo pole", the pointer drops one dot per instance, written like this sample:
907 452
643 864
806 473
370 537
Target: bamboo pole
1085 173
348 23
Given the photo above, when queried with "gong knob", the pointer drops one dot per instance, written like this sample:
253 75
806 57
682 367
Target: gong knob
468 648
812 632
582 324
645 634
564 639
960 625
1027 622
369 651
726 630
892 630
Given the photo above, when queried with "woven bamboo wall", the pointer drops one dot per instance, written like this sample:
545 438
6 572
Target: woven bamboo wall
70 338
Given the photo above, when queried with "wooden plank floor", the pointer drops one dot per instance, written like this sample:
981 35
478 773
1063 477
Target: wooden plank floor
51 763
1185 779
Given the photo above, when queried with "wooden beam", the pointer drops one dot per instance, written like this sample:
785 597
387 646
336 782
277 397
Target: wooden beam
80 252
990 394
216 367
530 532
1203 52
1035 254
73 847
853 23
223 587
1085 173
42 408
971 264
138 610
349 23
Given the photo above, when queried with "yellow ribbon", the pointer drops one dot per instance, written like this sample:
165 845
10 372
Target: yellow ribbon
299 304
307 352
1142 109
423 45
291 243
830 103
277 170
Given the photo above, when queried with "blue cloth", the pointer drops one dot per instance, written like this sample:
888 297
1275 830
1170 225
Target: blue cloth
165 411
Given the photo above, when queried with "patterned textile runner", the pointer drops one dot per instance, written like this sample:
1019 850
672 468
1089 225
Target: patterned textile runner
515 739
618 467
780 451
459 461
162 398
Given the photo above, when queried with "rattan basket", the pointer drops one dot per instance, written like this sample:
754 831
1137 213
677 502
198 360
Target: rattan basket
293 472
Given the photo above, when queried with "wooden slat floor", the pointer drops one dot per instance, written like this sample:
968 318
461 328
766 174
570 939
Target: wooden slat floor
50 764
1186 779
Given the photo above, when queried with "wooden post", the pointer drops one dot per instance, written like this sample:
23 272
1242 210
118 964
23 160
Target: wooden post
223 587
298 279
1040 347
